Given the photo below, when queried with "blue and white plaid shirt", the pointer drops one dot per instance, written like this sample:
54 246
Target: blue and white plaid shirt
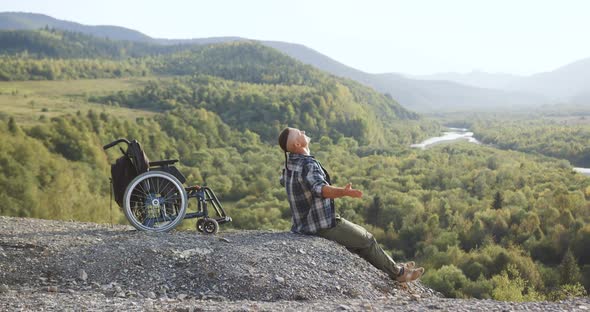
303 180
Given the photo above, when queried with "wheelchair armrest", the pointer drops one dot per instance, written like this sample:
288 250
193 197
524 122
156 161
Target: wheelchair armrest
161 163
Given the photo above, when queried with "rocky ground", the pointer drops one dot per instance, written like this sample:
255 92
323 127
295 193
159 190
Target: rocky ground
53 265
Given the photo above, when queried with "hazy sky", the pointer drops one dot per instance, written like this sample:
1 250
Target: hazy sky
411 36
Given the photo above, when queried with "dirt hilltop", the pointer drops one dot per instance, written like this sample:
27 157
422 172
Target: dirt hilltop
56 265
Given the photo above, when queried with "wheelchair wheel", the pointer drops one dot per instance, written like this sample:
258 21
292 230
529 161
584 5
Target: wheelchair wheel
155 201
199 225
210 226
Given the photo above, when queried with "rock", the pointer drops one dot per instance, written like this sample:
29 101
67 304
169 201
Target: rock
52 289
344 307
415 297
583 307
82 275
4 289
151 295
181 296
279 279
185 254
223 239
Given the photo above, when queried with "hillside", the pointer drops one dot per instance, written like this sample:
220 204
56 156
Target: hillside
71 265
310 98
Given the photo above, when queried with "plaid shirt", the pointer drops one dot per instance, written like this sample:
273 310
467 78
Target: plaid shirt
303 180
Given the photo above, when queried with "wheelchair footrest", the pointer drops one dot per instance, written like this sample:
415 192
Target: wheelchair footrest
223 220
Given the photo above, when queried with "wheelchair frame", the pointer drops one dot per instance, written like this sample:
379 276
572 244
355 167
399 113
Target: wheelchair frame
156 199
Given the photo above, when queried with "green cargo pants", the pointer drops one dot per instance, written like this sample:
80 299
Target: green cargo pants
358 240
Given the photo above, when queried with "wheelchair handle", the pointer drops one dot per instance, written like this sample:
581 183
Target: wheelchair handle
115 143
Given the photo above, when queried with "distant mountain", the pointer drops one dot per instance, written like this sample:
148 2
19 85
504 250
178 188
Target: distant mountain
416 94
19 21
566 84
440 95
478 79
563 84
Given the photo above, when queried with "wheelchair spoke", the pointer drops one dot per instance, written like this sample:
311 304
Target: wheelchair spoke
170 198
149 222
142 189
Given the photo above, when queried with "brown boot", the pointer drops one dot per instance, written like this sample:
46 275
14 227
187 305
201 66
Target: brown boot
409 275
409 264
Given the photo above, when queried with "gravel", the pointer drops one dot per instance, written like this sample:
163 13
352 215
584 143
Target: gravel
57 265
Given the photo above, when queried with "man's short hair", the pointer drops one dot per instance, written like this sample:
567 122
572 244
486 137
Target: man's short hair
283 139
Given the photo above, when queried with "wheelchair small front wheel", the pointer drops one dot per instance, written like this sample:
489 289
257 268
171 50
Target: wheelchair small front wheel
199 225
155 201
210 226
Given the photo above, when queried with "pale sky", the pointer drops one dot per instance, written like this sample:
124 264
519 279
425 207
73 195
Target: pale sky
411 36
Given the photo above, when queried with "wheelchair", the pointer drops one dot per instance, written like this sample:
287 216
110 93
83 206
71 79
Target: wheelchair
152 195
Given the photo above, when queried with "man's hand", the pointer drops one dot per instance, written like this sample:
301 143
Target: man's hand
329 191
349 191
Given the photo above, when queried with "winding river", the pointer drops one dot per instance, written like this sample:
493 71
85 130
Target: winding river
460 134
453 134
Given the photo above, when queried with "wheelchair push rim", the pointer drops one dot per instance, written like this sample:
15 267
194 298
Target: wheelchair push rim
155 201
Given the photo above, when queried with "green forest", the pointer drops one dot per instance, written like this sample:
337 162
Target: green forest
508 219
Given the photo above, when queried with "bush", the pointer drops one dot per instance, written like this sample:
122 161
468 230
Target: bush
449 280
568 291
509 286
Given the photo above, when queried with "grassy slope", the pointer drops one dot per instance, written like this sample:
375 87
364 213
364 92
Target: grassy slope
27 101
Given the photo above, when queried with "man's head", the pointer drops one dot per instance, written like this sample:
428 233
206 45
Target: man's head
294 140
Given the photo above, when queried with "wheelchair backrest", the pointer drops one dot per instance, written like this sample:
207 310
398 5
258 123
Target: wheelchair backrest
138 157
126 168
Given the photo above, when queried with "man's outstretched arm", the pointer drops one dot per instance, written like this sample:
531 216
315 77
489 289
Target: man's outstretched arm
329 191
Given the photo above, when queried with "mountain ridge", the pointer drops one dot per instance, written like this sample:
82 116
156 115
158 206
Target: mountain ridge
24 20
476 78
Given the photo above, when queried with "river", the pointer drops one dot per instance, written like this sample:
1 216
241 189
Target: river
461 134
453 134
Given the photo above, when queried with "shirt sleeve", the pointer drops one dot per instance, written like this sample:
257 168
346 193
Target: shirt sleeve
314 178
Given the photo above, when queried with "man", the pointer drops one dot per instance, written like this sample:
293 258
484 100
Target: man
311 198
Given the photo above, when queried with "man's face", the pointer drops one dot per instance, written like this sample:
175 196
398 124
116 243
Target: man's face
297 137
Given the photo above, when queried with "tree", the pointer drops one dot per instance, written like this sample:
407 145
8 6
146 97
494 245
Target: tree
12 126
498 201
374 211
569 272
